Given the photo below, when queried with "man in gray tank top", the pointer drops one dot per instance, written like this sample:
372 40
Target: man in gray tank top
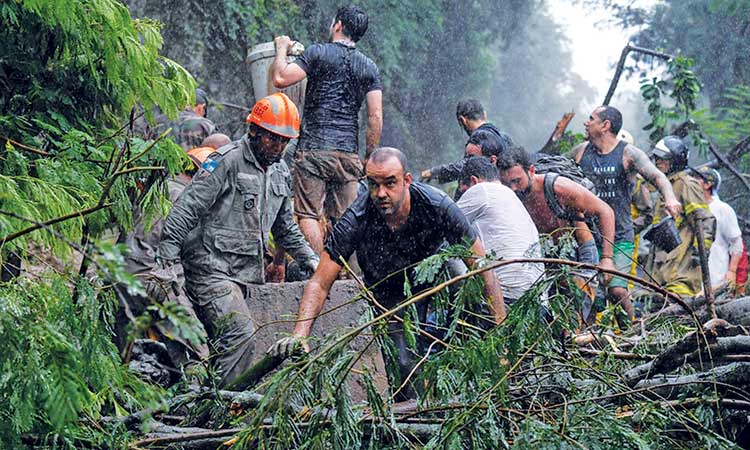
613 165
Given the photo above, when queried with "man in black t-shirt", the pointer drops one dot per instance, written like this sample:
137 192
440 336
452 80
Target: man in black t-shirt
394 225
485 139
339 79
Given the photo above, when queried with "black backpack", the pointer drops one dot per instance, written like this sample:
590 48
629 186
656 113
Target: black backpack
553 166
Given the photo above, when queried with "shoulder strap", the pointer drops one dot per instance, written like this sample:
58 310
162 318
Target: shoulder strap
551 198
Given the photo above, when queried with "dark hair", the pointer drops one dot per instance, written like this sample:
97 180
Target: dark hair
480 167
216 140
515 156
383 154
613 115
354 20
488 142
201 98
470 109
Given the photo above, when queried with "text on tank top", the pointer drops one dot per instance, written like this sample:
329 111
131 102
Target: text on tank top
613 185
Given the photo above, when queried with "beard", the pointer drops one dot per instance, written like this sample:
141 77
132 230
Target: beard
386 208
524 194
268 160
263 158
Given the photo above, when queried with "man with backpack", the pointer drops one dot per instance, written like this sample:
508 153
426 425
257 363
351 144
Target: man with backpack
556 204
612 164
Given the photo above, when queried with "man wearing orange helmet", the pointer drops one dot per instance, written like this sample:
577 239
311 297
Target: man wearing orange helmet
219 225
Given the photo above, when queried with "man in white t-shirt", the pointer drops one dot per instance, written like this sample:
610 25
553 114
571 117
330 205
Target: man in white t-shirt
726 249
504 225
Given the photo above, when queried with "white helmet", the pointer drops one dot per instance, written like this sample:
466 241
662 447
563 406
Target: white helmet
624 135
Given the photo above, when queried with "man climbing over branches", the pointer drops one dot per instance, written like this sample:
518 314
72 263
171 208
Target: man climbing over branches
396 224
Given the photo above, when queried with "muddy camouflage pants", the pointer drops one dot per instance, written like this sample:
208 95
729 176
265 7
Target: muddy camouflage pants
221 306
161 286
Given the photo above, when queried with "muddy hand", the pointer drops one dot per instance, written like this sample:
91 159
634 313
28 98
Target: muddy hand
288 346
673 207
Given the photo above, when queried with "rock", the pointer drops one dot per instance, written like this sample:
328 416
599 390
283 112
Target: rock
274 308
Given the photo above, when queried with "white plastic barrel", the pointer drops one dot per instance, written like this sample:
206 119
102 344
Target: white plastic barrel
261 59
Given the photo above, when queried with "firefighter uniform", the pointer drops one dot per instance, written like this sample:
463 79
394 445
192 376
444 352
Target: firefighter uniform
218 228
679 271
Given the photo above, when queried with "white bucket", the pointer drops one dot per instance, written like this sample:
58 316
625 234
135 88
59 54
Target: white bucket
261 59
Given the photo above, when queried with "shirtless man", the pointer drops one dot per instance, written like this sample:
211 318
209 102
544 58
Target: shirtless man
574 204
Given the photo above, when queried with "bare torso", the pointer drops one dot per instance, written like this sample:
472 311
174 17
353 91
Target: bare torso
545 220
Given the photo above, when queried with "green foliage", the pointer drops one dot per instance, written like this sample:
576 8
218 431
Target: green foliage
83 59
59 363
681 86
514 386
713 32
73 176
730 123
71 71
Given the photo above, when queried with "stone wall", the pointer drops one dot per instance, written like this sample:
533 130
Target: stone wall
274 308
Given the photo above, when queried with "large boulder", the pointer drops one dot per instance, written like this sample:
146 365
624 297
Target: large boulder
274 309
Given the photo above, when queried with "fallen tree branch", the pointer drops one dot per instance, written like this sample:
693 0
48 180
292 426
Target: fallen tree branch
740 149
617 355
184 437
735 311
729 403
73 215
25 147
691 348
731 377
557 133
621 65
725 162
682 131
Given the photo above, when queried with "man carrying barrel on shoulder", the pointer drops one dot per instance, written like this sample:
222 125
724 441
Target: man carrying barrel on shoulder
339 78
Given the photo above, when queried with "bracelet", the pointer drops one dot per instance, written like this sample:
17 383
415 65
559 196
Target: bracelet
607 256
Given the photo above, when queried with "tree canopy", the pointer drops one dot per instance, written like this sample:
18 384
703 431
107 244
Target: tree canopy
430 54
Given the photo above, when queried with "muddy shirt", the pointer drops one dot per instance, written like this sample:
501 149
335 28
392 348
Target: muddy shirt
338 78
679 270
613 185
192 129
433 220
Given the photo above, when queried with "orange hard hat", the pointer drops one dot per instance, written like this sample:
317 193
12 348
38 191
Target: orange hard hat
276 113
199 154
